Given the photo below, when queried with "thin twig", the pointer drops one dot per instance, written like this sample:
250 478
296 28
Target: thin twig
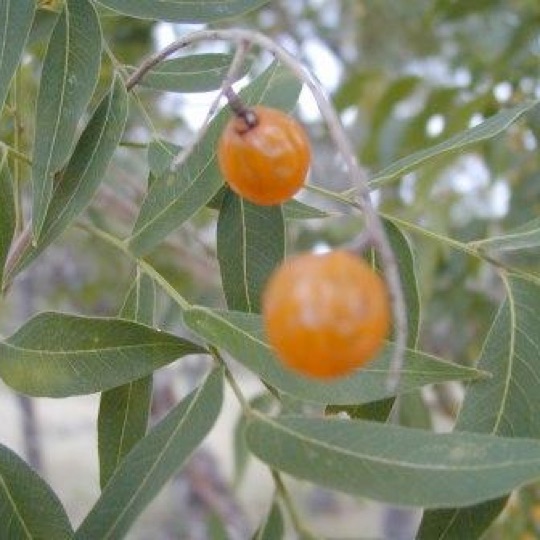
236 65
358 178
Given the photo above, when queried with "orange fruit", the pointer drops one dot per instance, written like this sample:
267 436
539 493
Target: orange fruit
326 315
266 163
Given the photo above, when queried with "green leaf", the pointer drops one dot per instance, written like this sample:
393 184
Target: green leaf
486 130
186 11
194 73
153 461
176 197
294 209
527 236
7 211
160 156
69 76
57 355
250 244
507 404
263 403
28 507
85 170
241 335
406 266
124 411
273 526
16 18
392 464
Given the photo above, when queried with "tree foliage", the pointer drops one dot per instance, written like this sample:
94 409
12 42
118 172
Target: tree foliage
440 100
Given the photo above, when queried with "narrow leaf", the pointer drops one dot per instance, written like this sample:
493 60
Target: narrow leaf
406 265
7 212
486 130
69 75
187 11
59 355
273 526
194 73
507 404
176 197
28 507
124 411
241 334
250 244
294 209
153 461
525 237
85 170
392 464
16 18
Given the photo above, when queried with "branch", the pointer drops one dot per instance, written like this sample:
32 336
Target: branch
358 178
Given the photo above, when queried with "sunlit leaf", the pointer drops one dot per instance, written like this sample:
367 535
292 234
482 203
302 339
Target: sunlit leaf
153 461
176 197
124 411
507 404
16 18
28 507
69 75
59 355
250 244
241 335
396 465
184 10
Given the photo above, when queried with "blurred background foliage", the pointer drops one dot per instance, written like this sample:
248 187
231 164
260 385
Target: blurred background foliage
404 75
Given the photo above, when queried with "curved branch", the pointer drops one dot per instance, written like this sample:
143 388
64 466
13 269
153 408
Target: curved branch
358 178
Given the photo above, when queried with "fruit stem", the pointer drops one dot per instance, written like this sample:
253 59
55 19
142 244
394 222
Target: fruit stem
240 109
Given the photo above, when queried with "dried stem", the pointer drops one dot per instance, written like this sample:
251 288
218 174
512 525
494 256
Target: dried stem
359 180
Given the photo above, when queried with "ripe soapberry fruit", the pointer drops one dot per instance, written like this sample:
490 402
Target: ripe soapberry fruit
326 315
265 162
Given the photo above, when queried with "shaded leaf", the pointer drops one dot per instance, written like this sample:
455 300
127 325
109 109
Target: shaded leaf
160 156
176 197
16 18
124 411
250 244
85 170
7 212
241 335
507 404
153 461
393 464
28 507
184 10
59 355
194 73
486 130
69 76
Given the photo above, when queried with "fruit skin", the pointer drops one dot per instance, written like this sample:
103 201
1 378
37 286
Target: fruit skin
267 163
326 315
